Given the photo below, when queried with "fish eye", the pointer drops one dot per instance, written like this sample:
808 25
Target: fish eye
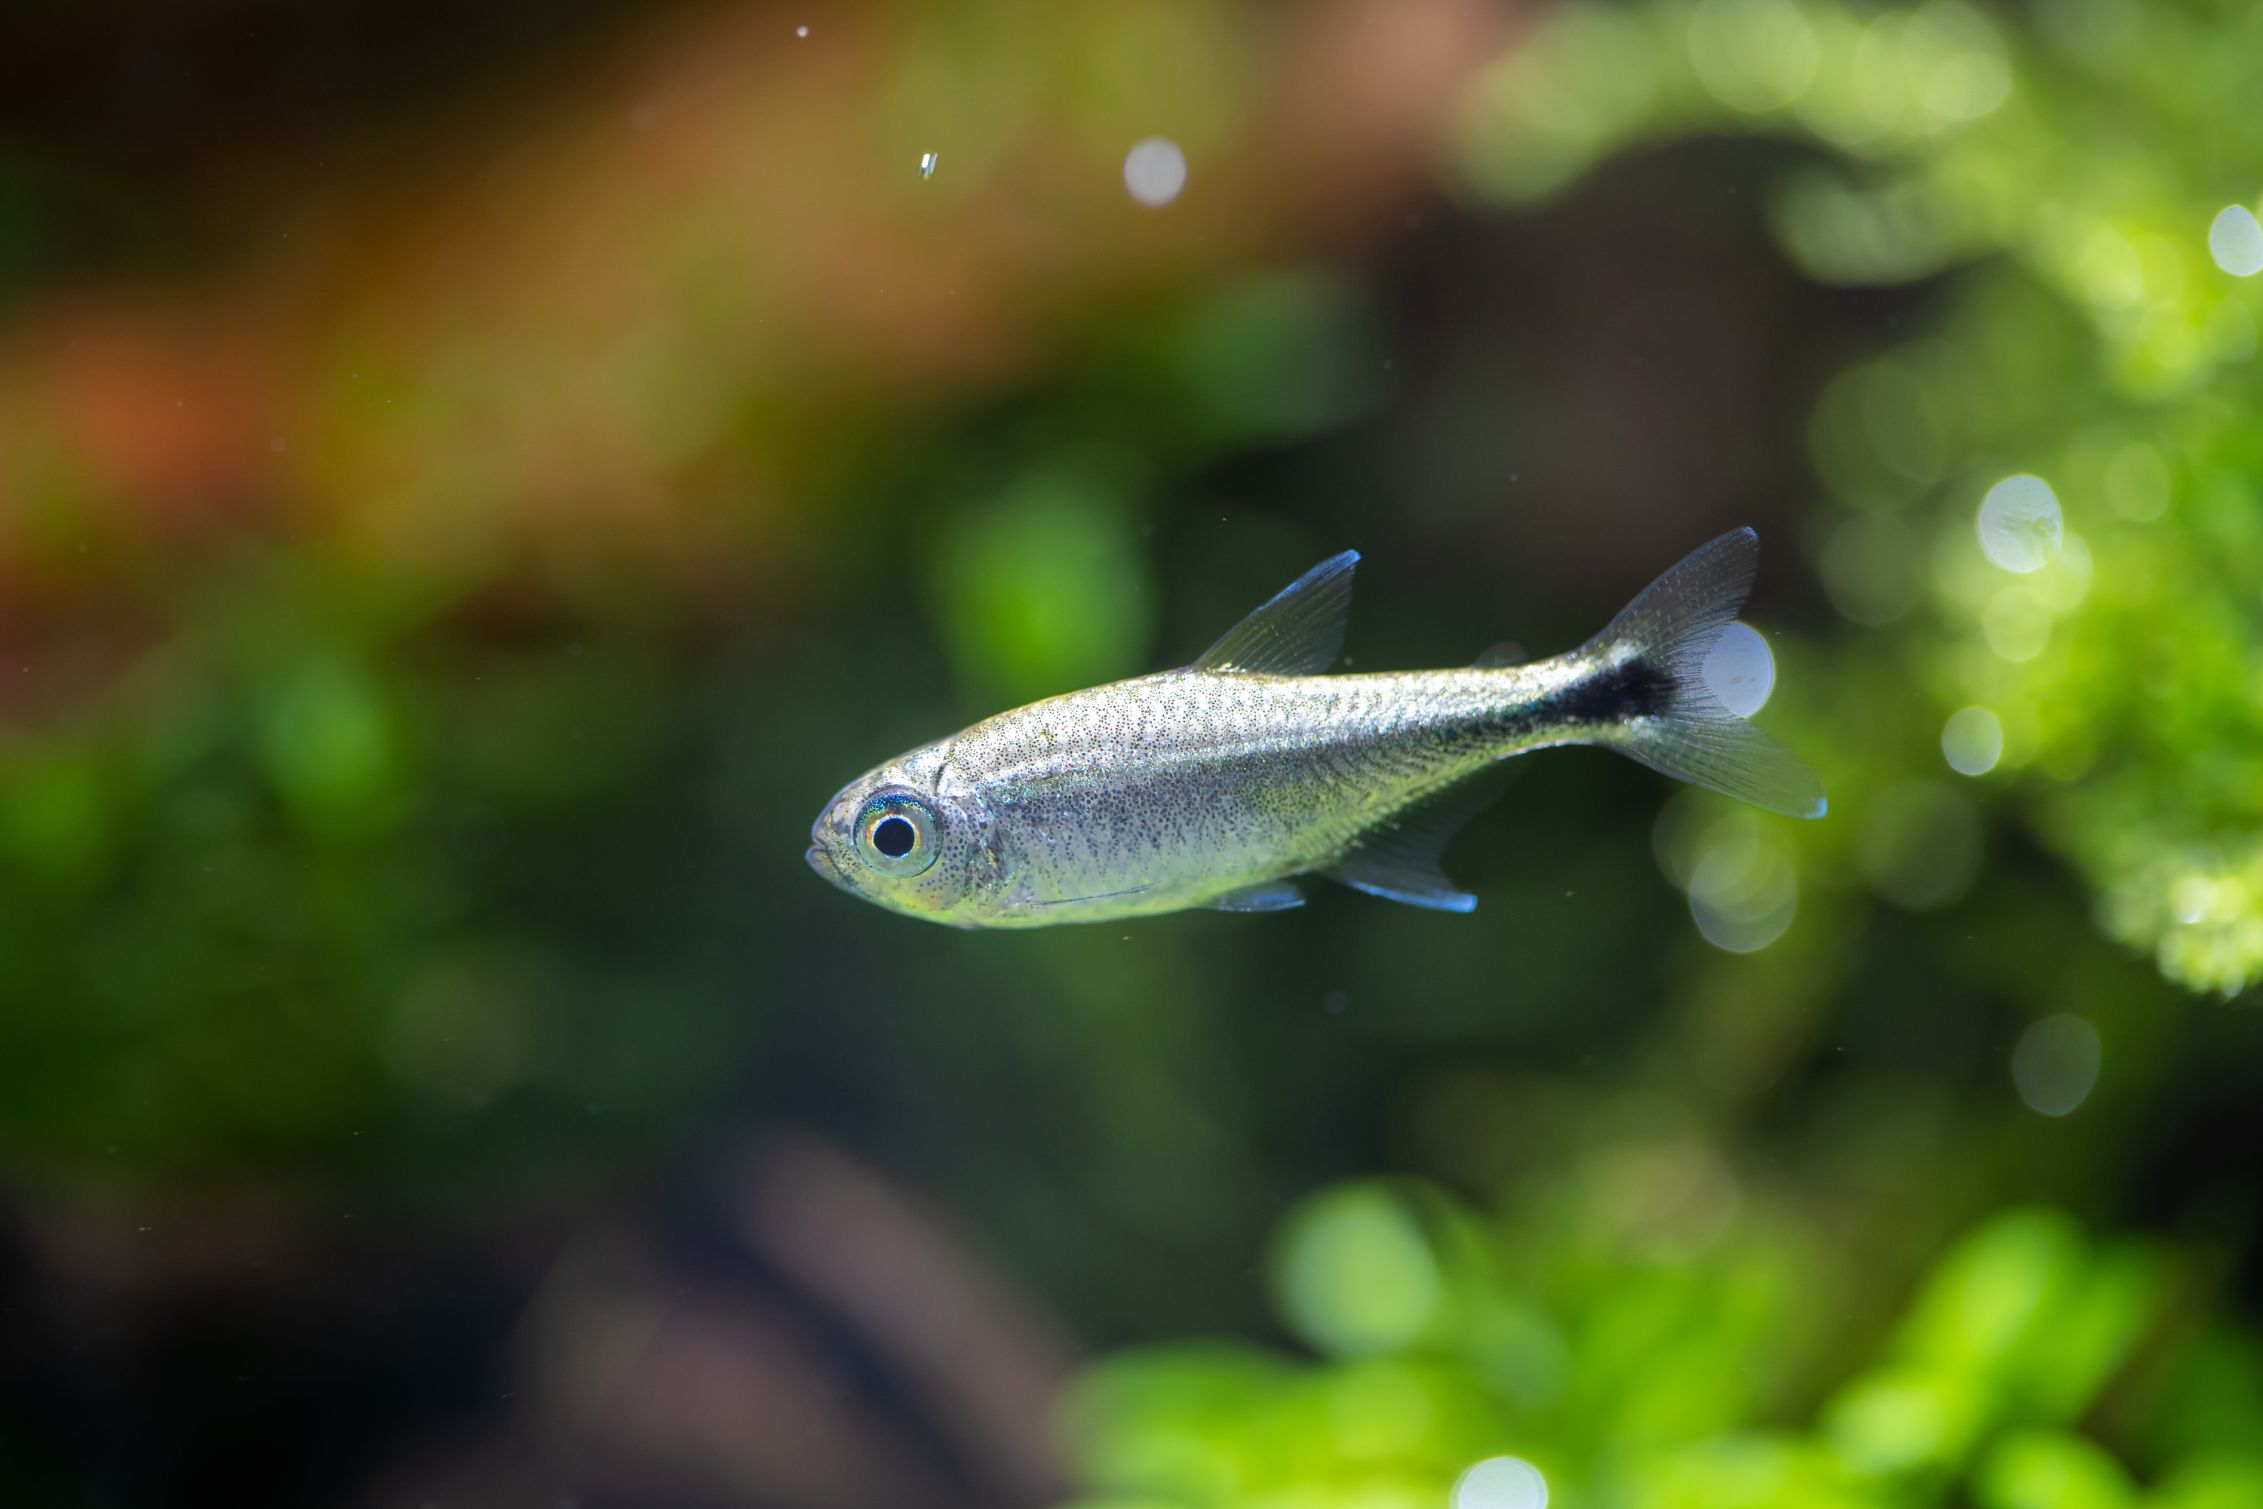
895 835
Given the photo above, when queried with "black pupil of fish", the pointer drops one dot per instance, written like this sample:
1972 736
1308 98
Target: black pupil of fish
894 836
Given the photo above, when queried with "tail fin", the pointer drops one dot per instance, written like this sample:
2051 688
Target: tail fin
1670 629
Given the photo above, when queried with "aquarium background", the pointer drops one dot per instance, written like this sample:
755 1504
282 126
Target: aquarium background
475 478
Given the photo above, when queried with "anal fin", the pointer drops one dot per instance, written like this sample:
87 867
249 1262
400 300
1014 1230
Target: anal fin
1400 859
1393 879
1266 896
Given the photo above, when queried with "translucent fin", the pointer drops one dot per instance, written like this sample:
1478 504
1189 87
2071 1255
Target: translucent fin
1378 877
1299 633
1507 652
1270 896
1732 757
1667 632
1401 860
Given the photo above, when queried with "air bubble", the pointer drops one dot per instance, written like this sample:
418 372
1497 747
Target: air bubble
2019 523
1740 670
1501 1483
1155 171
1972 741
2235 241
2055 1064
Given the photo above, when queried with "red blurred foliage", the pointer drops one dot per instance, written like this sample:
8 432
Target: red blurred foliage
624 318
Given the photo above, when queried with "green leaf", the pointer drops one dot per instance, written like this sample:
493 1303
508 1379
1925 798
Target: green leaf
1906 1419
2219 1481
2051 1470
1353 1273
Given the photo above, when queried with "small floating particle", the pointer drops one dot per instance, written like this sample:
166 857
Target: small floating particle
1155 170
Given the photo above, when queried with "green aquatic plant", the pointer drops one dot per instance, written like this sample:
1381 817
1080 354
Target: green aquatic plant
2080 190
1654 1354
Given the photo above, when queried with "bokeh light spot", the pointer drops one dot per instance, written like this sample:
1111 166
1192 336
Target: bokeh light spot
1155 171
1354 1273
1871 570
329 747
2019 523
2016 624
1379 1409
1955 61
1905 1418
2055 1064
2235 241
1042 589
1902 420
2191 897
1744 886
1752 55
2137 482
2108 270
927 162
1740 669
2062 588
1920 844
1501 1483
1867 94
1972 741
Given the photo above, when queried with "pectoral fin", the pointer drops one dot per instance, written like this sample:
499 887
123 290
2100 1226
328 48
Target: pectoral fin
1270 896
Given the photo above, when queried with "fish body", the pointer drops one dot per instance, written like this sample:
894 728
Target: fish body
1217 784
1178 789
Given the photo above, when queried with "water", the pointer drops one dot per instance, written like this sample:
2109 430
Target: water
465 502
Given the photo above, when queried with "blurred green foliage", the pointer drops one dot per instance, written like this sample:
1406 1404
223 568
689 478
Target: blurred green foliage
425 818
1653 1357
311 892
2061 170
2054 174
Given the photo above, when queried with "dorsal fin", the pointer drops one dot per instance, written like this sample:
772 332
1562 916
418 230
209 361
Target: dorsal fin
1507 652
1399 859
1300 632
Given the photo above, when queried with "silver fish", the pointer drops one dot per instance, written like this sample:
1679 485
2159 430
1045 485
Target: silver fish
1219 783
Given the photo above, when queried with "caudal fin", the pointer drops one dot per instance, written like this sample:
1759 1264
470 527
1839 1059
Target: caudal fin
1689 735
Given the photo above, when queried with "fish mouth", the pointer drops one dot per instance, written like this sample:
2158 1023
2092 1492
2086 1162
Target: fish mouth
821 860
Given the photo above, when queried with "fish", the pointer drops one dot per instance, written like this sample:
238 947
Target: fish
1228 782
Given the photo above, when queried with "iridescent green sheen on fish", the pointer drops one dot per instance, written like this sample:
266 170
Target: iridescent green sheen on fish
1218 784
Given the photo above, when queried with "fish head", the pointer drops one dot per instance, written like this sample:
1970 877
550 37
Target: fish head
908 837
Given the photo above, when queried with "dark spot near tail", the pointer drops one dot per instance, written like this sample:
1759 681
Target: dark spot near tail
1636 689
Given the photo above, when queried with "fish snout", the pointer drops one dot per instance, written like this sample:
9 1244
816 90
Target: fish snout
821 859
